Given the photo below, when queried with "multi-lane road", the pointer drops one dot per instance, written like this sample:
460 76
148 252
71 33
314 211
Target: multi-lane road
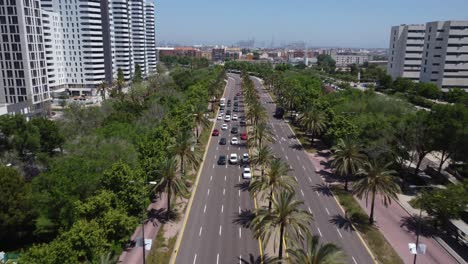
211 234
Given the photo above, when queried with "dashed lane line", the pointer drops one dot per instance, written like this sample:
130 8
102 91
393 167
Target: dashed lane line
199 233
326 209
319 231
339 233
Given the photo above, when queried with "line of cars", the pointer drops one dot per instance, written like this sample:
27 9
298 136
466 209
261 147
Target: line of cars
233 158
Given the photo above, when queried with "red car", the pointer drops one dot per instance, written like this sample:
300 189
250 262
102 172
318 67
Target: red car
243 136
238 94
215 132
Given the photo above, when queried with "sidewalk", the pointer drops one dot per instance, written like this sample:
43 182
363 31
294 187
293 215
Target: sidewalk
134 255
394 222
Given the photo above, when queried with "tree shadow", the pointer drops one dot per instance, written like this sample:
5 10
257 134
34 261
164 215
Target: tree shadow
323 189
160 215
296 146
292 136
244 219
411 224
265 259
342 222
243 186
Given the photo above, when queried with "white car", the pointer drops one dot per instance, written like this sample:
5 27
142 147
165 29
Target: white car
234 141
234 117
246 174
227 118
245 158
233 158
220 116
224 127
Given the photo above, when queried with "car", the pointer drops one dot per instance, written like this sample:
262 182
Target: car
221 107
222 141
246 174
245 158
222 160
229 101
242 123
224 127
234 130
220 116
238 94
233 158
227 118
228 112
243 135
234 117
236 109
234 141
236 98
236 103
215 132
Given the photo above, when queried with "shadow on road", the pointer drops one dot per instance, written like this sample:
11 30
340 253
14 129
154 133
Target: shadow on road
243 186
244 219
252 259
323 189
342 222
296 146
411 224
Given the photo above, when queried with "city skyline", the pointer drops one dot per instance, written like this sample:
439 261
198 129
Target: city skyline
356 24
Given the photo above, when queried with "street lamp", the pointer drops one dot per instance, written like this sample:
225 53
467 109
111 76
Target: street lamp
418 230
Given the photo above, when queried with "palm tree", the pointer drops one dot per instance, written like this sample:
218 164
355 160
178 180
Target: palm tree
102 89
261 133
275 180
347 158
182 147
262 157
256 113
314 253
200 119
377 180
285 222
170 181
314 122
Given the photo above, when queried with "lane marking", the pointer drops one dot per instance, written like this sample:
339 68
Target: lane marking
282 149
211 177
240 259
310 179
208 192
224 191
240 232
317 193
302 193
298 158
290 166
228 147
213 166
239 193
239 210
195 259
355 262
296 178
217 147
204 210
239 179
303 167
326 209
310 211
220 229
222 208
339 233
217 259
224 177
319 231
287 157
215 156
199 233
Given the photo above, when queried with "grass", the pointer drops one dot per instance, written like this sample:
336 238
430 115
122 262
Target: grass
374 239
156 257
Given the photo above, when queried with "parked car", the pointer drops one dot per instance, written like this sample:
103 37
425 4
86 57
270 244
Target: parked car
233 158
215 132
222 160
222 141
246 174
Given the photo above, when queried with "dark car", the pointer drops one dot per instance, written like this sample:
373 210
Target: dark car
242 123
236 103
222 141
234 130
229 104
228 112
279 112
236 109
222 160
215 132
236 98
238 94
229 101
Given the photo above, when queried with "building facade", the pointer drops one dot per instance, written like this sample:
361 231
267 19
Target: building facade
343 59
405 51
23 86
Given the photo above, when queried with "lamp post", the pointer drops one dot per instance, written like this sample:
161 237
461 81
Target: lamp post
418 230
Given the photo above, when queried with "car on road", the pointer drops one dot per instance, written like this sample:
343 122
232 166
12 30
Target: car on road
238 94
234 117
228 112
236 109
227 118
222 141
215 132
242 123
234 141
243 135
224 127
220 116
246 173
234 130
236 103
222 160
233 158
236 98
245 158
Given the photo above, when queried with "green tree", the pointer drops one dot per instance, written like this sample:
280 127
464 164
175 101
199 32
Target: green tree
377 180
428 90
20 135
403 85
50 136
348 156
262 158
182 147
200 120
169 180
326 63
314 123
120 80
256 113
103 89
137 76
315 253
261 134
286 221
275 180
423 141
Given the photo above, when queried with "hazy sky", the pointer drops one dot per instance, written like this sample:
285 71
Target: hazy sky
344 23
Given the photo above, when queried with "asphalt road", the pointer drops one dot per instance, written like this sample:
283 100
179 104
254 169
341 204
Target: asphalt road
329 221
211 234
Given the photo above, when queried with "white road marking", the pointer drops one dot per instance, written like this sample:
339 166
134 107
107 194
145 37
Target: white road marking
302 193
208 193
199 233
228 147
213 166
240 232
224 177
220 229
239 179
310 179
287 157
282 149
299 159
215 156
339 233
226 165
317 193
222 208
310 211
204 210
355 262
303 167
224 191
239 193
211 177
217 147
326 209
217 259
319 231
240 259
239 210
195 259
296 178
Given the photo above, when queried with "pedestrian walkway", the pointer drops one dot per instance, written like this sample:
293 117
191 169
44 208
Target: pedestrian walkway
394 222
156 210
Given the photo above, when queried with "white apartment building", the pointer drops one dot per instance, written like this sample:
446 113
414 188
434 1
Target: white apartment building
405 51
343 59
150 39
54 49
445 55
23 86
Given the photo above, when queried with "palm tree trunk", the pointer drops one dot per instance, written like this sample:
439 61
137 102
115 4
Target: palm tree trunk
182 164
346 182
168 213
197 135
280 253
420 159
371 216
443 158
269 200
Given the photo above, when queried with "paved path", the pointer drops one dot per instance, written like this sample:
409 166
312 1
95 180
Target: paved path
393 223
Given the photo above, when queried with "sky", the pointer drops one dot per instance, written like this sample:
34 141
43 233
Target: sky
319 23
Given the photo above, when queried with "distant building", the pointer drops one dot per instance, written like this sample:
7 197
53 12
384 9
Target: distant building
206 54
344 59
218 54
233 53
180 52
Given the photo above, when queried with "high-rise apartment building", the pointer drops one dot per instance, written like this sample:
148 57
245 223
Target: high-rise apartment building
405 51
23 85
150 38
436 52
445 55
